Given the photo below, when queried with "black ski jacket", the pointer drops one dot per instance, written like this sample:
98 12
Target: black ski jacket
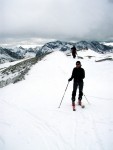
78 74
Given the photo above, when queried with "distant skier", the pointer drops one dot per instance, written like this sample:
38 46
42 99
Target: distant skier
73 51
78 74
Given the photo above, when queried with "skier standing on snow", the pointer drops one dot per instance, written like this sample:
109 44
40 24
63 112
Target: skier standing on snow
78 74
73 51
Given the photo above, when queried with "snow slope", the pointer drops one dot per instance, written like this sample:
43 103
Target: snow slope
31 120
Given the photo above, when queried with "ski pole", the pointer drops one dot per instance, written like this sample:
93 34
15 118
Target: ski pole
86 99
63 95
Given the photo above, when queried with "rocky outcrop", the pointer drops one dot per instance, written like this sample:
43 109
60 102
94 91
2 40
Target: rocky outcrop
17 72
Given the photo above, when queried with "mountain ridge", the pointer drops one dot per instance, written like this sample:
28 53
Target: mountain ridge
12 54
81 45
17 53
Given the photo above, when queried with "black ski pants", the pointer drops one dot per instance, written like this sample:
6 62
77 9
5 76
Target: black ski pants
74 55
77 84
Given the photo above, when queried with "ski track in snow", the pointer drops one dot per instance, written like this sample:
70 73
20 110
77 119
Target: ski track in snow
31 120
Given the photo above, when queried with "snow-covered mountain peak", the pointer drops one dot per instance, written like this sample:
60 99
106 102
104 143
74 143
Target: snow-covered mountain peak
20 52
81 45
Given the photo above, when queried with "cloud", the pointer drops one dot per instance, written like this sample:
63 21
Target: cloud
57 19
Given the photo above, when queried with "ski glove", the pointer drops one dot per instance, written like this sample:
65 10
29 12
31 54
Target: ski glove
69 80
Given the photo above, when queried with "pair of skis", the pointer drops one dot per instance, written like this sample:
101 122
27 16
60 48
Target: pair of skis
74 108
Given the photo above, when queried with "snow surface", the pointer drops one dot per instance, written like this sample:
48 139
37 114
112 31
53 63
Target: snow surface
31 120
108 43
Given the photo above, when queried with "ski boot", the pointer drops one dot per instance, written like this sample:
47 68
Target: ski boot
80 103
73 105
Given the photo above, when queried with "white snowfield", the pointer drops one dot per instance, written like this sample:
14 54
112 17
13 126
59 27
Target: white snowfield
31 120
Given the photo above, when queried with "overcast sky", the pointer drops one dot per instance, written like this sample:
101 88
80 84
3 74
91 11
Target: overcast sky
56 19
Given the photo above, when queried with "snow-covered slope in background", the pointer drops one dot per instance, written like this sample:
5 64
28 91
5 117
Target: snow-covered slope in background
108 43
31 120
